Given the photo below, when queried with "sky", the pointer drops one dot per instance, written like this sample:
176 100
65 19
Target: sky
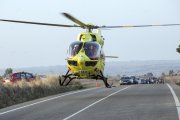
23 45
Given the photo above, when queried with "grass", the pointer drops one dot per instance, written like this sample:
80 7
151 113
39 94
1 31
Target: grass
172 79
22 91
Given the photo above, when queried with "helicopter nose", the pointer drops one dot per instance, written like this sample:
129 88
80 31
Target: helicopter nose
80 60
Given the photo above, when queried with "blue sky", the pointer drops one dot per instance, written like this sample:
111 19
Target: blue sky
30 45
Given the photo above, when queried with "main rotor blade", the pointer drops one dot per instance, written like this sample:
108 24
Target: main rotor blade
38 23
129 26
83 25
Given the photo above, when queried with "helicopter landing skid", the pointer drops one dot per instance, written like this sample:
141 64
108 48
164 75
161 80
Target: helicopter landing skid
63 79
106 83
104 80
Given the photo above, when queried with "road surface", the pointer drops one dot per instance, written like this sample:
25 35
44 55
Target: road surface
133 102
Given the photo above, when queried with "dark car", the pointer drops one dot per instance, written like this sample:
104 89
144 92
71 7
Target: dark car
19 76
143 81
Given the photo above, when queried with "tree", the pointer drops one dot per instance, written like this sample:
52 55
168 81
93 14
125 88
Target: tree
118 76
171 72
163 74
8 71
149 74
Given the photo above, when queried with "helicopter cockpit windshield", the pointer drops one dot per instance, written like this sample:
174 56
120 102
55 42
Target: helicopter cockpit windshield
92 50
74 48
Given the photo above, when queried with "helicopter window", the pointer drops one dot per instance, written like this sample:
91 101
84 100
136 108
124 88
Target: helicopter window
74 48
92 50
93 37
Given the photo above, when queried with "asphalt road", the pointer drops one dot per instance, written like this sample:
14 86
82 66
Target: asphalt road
134 102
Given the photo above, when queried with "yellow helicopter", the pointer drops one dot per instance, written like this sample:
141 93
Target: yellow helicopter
86 58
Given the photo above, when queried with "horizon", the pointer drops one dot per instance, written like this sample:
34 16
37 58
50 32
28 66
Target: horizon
157 67
25 67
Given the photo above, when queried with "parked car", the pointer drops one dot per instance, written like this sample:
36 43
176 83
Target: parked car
139 80
136 80
143 81
19 76
126 81
151 81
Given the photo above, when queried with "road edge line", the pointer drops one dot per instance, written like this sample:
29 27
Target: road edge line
42 101
175 99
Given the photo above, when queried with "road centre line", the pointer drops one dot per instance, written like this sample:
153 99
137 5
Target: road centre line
94 103
175 99
79 91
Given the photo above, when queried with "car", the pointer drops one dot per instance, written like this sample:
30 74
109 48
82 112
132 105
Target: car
151 81
126 81
135 80
18 77
143 81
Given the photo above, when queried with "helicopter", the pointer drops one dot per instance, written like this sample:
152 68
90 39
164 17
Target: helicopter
86 58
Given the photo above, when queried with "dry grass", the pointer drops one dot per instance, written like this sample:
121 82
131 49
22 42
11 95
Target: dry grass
22 91
172 79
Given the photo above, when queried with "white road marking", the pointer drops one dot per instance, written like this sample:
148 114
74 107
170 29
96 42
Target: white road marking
2 113
175 99
94 103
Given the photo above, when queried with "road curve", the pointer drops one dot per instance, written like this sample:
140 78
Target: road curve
134 102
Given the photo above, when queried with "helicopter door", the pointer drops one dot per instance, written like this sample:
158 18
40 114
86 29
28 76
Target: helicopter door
74 48
92 50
